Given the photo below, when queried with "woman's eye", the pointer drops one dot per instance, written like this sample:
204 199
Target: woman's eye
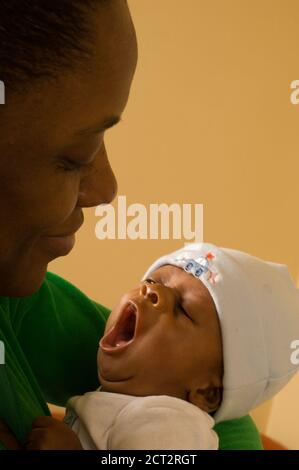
69 165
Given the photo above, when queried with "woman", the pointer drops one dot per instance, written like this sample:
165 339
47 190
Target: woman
67 66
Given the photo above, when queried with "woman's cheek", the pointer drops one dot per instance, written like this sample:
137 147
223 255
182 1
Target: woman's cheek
63 198
57 201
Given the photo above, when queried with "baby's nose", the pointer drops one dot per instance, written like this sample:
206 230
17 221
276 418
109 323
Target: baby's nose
150 292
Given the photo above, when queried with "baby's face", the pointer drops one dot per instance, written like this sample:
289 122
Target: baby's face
163 338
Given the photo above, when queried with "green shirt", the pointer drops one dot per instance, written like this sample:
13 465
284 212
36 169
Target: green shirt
51 340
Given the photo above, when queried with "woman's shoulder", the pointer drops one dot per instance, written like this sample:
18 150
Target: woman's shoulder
56 297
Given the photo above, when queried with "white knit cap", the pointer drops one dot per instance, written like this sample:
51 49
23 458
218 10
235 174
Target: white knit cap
258 308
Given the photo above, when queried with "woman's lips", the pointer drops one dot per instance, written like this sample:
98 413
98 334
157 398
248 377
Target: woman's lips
60 246
123 332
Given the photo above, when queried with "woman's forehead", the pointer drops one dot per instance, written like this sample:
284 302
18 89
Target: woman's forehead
83 97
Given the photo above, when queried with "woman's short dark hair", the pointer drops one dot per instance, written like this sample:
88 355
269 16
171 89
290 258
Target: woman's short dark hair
39 38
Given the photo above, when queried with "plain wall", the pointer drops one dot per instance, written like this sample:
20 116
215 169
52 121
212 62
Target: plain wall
209 121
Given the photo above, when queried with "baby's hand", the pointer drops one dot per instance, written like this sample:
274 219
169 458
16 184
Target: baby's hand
50 434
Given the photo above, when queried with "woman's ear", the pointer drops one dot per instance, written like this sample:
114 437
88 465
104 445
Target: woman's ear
207 399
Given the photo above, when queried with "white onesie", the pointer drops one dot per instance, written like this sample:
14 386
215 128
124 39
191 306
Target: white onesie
112 421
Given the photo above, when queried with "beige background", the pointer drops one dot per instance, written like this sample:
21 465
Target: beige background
209 121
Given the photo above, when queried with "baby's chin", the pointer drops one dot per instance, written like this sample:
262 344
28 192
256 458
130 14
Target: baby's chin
132 386
115 386
111 381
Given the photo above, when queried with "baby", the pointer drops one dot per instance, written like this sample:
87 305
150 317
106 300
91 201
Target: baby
205 337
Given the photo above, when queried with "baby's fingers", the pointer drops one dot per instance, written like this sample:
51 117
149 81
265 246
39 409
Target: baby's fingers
37 440
43 422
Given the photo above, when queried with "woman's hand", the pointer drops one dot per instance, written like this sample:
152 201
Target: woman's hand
7 438
50 434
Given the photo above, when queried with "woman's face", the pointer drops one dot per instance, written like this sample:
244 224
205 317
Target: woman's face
53 158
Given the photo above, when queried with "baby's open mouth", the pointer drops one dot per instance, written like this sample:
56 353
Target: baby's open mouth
123 331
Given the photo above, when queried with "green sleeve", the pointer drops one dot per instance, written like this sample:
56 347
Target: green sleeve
59 330
238 434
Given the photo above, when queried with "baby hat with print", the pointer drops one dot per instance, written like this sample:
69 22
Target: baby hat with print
258 307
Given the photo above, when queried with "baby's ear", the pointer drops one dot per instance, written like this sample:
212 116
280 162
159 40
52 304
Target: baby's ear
207 399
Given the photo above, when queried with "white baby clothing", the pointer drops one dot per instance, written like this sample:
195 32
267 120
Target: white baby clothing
112 421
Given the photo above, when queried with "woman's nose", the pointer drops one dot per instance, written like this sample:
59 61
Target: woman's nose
98 184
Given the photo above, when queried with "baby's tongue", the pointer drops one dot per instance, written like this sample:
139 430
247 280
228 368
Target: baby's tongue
120 343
